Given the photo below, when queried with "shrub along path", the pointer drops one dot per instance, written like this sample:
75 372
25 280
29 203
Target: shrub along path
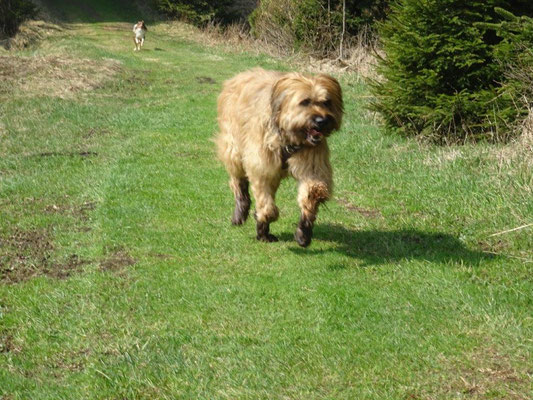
121 277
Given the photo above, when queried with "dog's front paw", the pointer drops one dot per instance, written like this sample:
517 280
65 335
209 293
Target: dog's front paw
238 220
304 232
240 215
303 237
268 238
263 233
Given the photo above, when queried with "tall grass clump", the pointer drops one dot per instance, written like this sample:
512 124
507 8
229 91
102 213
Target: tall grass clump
442 79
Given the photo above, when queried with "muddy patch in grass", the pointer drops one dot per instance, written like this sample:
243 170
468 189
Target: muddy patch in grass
94 132
55 76
67 268
205 79
80 211
117 261
25 254
8 344
70 361
365 212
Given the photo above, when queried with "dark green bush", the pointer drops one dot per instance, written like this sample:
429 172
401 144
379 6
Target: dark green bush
361 13
195 11
13 13
200 12
442 79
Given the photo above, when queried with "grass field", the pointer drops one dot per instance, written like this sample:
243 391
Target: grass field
122 278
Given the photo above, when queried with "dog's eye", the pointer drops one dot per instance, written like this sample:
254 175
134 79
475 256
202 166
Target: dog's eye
327 103
305 102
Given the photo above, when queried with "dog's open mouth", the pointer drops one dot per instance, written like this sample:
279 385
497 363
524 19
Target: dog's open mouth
314 136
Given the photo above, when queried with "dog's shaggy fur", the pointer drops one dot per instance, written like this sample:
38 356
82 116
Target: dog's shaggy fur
139 29
272 125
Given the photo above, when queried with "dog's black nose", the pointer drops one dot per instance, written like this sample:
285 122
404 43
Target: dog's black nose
320 121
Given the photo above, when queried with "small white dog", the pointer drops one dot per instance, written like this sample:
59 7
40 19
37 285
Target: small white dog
140 31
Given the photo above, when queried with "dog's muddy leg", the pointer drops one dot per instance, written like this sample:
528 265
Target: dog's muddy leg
242 200
310 196
263 232
304 232
265 208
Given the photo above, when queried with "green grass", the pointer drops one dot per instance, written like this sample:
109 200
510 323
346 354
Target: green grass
121 277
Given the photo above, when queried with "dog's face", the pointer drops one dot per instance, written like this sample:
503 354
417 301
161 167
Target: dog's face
306 109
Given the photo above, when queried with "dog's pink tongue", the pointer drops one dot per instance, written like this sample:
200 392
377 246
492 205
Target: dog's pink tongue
314 136
313 133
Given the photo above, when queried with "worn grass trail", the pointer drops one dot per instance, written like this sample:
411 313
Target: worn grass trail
121 276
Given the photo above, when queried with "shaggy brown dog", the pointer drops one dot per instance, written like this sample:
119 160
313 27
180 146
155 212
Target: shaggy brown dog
272 125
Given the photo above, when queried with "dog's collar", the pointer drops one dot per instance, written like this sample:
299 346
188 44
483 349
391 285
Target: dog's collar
287 152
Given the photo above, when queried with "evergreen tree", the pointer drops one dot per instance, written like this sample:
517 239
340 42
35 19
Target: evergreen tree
441 77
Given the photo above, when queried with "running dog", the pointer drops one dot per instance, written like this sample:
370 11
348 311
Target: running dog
271 125
139 29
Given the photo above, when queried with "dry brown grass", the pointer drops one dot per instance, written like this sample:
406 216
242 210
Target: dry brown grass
56 76
59 75
360 52
234 38
526 139
30 34
519 152
486 373
360 57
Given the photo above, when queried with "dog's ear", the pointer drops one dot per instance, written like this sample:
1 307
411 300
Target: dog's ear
280 91
334 90
277 96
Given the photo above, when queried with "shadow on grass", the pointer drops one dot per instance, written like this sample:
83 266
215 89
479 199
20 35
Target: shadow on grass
379 247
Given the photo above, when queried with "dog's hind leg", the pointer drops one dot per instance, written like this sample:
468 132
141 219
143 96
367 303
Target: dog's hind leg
242 200
266 210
